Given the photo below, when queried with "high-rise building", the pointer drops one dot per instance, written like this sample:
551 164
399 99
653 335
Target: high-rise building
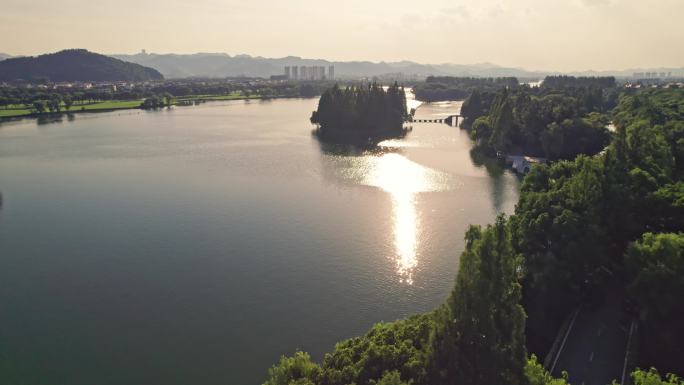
308 73
331 73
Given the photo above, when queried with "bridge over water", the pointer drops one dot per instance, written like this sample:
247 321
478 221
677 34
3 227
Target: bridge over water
451 120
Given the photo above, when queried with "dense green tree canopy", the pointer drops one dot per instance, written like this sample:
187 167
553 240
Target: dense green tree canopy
458 88
575 219
656 263
537 375
397 348
652 377
479 332
361 112
564 81
551 123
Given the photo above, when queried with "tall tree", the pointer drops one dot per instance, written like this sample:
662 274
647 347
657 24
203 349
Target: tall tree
657 265
68 102
479 333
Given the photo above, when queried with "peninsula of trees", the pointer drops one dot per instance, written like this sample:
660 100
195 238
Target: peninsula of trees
614 219
561 119
361 113
437 88
74 65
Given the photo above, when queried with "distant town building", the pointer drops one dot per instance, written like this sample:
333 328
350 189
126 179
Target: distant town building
308 73
652 75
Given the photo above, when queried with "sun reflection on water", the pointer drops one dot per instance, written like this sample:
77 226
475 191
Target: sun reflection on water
403 180
405 234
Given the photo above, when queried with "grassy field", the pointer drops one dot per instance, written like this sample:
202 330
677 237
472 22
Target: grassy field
106 105
21 110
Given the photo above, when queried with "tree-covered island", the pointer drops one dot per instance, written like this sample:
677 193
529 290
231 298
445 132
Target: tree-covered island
361 114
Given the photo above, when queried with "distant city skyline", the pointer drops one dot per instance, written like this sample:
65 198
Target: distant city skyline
308 73
546 35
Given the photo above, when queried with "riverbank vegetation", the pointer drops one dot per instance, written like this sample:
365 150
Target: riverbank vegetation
555 123
361 113
41 106
37 99
564 81
576 220
581 225
436 88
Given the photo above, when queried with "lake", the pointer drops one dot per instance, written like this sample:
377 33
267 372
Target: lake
196 245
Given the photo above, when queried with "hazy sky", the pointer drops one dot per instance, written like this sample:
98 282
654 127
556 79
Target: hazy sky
534 34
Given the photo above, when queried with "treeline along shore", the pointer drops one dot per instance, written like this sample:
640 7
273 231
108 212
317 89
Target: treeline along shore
36 99
561 119
605 215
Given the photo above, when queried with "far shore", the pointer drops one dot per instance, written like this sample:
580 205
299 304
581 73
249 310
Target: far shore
13 112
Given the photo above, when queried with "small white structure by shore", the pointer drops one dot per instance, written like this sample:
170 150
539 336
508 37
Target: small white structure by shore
523 164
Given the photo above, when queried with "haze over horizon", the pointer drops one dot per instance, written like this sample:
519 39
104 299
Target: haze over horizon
551 35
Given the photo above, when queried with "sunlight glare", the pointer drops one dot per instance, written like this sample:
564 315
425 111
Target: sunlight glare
403 180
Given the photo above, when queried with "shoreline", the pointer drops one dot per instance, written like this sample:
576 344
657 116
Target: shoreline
190 100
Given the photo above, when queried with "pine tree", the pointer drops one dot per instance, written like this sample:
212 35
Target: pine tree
479 335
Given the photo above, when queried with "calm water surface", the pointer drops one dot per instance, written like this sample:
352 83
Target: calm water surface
196 245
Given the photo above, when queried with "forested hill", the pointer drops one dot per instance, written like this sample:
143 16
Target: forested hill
75 65
222 65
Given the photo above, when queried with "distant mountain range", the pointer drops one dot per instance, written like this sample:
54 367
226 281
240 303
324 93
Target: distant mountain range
222 65
74 65
84 65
